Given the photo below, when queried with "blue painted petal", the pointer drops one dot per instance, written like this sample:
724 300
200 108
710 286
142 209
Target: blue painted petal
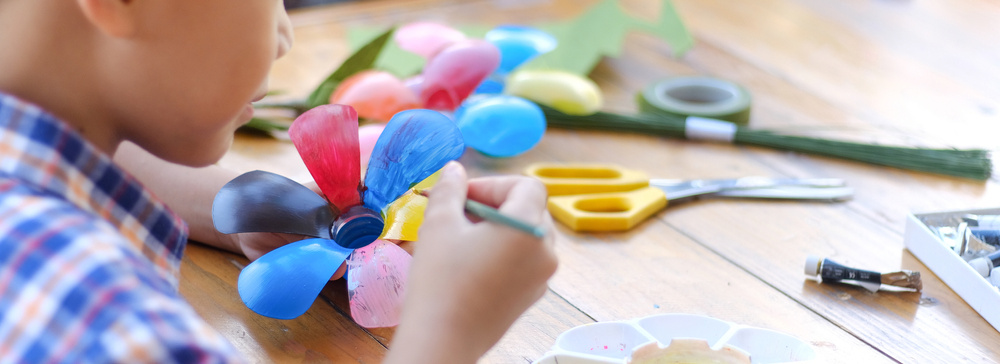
491 85
415 144
284 283
519 44
501 125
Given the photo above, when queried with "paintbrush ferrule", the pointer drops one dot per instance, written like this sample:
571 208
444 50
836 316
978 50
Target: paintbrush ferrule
903 278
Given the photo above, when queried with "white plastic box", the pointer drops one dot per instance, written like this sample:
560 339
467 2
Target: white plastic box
939 256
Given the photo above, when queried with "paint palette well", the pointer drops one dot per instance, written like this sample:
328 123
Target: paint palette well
614 342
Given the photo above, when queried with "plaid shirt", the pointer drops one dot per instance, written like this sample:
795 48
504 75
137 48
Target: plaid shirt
88 257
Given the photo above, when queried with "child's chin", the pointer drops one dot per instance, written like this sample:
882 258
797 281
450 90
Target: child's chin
207 154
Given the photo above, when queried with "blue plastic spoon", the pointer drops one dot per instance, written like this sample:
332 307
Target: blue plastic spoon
283 284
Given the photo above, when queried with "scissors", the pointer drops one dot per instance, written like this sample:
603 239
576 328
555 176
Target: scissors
607 197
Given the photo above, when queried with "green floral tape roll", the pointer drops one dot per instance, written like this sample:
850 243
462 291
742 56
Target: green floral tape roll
697 96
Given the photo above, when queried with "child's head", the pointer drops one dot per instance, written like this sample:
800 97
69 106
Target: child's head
174 76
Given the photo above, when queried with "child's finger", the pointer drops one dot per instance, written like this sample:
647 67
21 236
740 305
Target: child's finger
493 191
518 196
446 201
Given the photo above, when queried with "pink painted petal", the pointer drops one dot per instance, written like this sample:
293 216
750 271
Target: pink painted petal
367 136
326 138
415 83
426 38
456 71
376 283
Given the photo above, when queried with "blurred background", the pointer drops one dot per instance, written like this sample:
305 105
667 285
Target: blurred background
291 4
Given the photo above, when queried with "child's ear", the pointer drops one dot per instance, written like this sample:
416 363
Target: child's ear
114 17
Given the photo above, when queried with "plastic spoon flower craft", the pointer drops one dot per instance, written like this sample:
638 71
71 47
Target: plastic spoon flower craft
344 226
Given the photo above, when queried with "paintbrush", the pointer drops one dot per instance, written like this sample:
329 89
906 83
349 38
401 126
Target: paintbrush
829 270
493 215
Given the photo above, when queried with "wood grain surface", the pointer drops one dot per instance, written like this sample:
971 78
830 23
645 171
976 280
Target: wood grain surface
914 73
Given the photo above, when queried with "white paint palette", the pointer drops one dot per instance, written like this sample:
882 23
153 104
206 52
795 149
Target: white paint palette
614 342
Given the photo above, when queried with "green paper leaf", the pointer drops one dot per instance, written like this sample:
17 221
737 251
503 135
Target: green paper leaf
393 59
600 32
582 42
264 125
671 28
361 60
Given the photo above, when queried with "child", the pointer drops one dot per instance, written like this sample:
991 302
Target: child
89 256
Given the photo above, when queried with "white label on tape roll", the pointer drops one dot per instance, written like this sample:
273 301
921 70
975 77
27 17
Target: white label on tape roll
700 128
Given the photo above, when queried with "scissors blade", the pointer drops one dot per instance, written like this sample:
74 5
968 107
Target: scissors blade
762 182
792 193
755 182
689 188
757 187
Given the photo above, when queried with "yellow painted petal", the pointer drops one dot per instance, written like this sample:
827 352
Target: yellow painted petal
564 91
404 216
429 181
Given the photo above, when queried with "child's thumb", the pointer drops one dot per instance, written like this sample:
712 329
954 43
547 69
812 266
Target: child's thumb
448 195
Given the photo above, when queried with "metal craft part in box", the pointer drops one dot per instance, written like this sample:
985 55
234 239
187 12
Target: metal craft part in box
942 242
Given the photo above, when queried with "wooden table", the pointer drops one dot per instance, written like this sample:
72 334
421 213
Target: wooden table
917 73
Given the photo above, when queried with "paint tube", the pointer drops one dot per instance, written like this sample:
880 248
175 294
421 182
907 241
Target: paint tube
830 271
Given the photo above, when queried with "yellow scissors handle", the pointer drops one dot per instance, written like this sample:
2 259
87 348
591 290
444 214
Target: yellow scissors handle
614 211
572 179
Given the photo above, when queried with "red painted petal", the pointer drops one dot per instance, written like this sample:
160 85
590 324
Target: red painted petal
326 138
456 71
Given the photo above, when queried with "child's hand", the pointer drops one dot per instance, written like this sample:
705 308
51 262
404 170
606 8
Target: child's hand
470 280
